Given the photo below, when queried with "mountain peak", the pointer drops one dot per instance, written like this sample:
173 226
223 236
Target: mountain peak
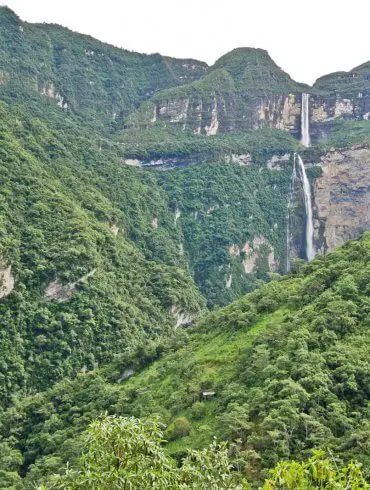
6 12
253 68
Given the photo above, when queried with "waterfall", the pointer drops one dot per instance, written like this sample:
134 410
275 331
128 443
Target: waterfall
290 204
305 121
310 252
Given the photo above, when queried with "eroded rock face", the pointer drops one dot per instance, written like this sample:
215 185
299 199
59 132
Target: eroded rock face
220 112
48 90
114 229
326 109
3 77
182 317
252 251
342 197
174 110
277 162
154 223
57 291
229 281
6 280
228 112
133 162
281 112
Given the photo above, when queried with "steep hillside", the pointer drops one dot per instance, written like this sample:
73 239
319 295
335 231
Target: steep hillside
344 83
285 369
232 227
80 75
341 97
229 197
84 275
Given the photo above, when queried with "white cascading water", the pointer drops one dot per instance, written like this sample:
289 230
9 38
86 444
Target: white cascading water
310 252
290 204
305 121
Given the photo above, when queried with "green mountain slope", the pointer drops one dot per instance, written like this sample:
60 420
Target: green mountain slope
90 276
287 365
254 71
345 83
80 75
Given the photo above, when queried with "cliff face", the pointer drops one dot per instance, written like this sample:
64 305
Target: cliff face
245 90
342 197
326 109
224 112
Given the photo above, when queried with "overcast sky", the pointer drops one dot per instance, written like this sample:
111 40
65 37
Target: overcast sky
306 38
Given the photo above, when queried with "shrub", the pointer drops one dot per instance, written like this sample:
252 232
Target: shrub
198 410
180 427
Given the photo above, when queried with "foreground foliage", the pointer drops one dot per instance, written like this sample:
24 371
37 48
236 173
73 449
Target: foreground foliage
126 453
317 472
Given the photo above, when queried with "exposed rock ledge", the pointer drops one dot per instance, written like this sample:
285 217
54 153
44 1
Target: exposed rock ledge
251 252
181 317
6 280
55 290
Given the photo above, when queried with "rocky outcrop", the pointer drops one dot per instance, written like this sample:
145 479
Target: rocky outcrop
182 318
6 279
326 109
278 162
229 281
251 252
3 77
56 290
342 197
114 229
48 90
154 222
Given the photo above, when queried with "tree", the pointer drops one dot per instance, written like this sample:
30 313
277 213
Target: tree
126 453
317 472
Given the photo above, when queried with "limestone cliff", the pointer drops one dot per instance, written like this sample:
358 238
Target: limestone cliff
246 90
6 279
342 197
224 112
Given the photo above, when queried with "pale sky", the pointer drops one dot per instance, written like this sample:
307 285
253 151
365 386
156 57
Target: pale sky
306 38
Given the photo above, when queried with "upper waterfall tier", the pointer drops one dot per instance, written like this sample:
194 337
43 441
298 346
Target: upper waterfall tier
305 121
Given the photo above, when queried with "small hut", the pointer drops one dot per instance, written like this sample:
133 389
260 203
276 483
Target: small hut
206 395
